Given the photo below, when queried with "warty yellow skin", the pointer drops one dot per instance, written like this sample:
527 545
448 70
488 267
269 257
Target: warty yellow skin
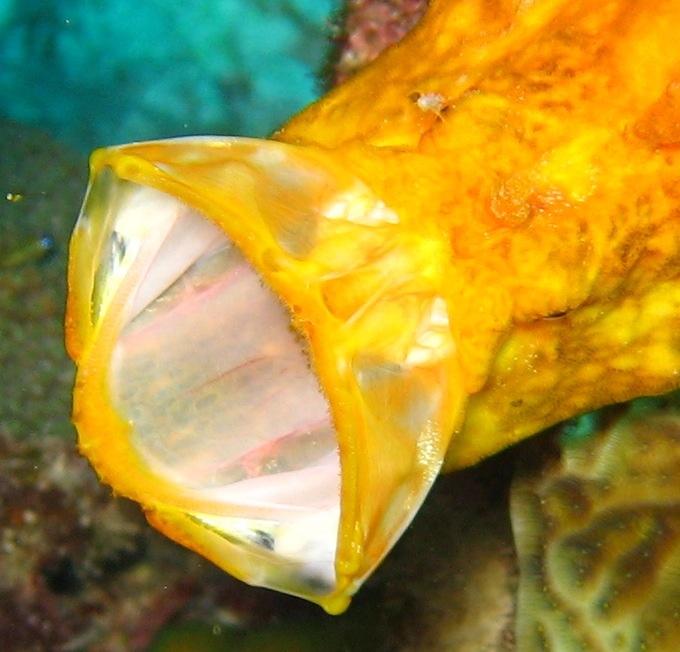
530 154
552 176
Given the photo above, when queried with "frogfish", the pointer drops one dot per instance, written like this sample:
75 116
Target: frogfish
280 343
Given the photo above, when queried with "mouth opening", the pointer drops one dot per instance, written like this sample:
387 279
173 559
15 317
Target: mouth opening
197 397
218 389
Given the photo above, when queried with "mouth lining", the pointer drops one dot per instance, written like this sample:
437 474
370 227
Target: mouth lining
217 387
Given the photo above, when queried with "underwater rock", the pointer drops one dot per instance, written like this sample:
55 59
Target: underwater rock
370 26
40 184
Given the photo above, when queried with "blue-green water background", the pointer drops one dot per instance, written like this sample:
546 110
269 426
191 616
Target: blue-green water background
98 72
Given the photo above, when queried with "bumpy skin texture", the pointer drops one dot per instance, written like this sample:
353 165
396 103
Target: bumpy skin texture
538 142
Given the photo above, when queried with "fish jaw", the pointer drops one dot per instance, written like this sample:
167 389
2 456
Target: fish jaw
265 356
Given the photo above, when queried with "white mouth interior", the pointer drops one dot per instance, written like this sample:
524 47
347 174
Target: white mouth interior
218 387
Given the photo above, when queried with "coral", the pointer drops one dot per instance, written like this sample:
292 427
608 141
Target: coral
598 535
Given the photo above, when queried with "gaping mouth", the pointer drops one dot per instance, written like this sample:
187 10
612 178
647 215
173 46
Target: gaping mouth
289 441
217 386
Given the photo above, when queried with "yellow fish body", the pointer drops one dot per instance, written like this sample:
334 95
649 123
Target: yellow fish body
475 237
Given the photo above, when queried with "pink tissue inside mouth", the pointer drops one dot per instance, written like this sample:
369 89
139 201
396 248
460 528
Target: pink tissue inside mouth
216 384
233 434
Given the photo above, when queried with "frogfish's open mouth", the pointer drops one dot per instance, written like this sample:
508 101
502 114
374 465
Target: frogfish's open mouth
259 352
218 389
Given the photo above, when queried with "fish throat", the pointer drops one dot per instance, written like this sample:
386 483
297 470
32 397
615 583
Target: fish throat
217 387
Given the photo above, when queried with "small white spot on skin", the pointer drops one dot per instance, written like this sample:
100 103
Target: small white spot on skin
433 340
359 206
431 102
269 156
439 315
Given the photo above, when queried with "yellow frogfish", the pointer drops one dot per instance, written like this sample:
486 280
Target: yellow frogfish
281 343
